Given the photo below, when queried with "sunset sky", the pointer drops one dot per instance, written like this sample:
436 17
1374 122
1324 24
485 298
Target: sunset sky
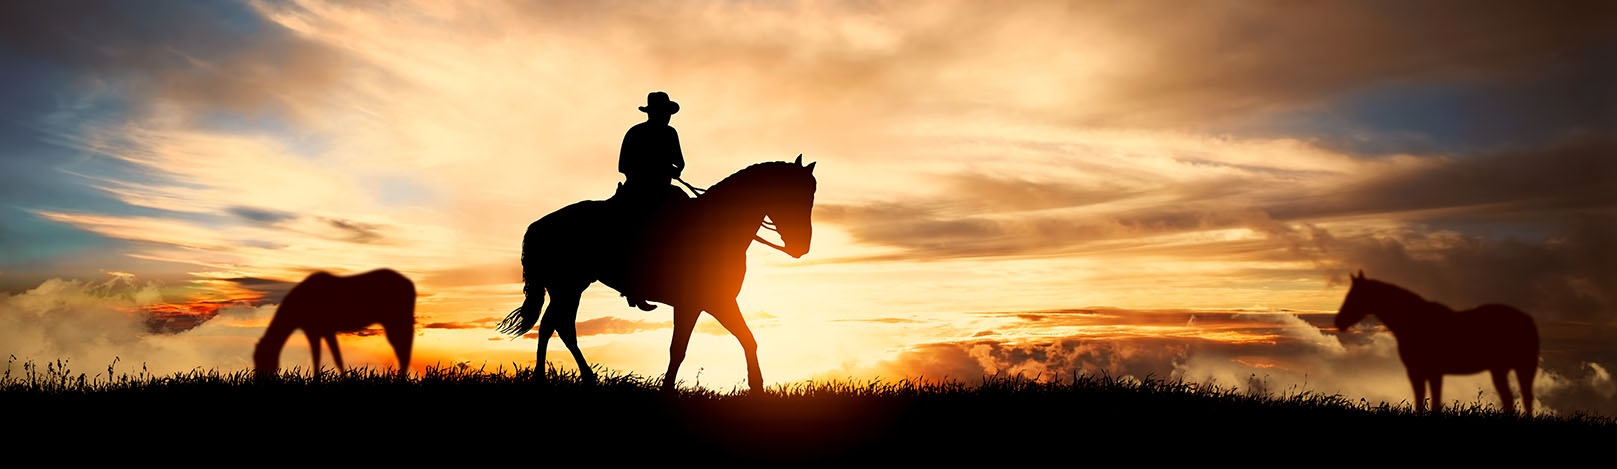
1173 188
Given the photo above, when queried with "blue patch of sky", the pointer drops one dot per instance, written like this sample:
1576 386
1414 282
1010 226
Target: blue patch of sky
26 238
50 99
1530 108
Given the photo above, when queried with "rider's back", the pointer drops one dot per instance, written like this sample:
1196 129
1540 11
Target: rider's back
650 154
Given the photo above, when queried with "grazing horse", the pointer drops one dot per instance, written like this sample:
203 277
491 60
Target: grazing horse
1434 340
692 255
324 304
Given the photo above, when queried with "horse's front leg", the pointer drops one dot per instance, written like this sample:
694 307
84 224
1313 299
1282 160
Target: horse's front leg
314 349
684 323
1418 381
729 315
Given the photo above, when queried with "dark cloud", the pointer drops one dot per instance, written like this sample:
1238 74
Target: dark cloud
261 215
1229 59
1012 194
484 323
960 223
273 290
1571 175
1537 189
925 232
353 231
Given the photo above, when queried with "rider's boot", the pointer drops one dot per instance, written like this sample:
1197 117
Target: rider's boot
634 299
638 302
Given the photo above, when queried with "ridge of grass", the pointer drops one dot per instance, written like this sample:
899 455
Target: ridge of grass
56 380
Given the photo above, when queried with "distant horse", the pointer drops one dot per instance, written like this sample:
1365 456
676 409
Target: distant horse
692 255
1434 340
324 305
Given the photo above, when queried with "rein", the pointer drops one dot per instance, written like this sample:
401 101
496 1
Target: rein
694 190
766 224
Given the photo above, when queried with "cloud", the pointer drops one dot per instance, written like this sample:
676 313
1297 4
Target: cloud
261 215
485 323
884 320
272 290
182 59
356 232
1565 176
612 325
90 324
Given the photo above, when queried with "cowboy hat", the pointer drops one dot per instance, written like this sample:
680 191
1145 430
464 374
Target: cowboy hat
658 101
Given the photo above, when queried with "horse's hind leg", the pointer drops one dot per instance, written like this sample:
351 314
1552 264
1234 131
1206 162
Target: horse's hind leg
400 336
547 328
564 310
1501 383
1437 392
314 349
1524 378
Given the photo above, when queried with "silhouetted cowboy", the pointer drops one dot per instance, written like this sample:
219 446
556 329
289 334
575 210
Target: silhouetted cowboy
650 157
650 160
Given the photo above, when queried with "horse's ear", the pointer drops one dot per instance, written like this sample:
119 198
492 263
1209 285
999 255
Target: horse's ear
799 159
1360 276
811 166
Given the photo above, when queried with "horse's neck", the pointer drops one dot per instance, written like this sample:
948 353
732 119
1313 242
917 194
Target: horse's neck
733 216
1413 316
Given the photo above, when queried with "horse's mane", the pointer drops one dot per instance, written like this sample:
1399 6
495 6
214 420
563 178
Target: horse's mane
768 172
1387 289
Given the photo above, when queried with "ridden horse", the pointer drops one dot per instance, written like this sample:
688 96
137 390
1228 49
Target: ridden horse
324 305
1434 340
691 255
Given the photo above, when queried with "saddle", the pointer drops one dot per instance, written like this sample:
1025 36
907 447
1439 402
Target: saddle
636 208
635 213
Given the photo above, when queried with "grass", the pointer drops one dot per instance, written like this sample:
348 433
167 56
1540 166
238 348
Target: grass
506 409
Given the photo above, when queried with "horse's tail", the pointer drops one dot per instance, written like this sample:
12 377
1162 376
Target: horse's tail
522 319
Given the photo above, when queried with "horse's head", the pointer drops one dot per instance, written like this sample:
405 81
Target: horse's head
267 357
1358 303
790 206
